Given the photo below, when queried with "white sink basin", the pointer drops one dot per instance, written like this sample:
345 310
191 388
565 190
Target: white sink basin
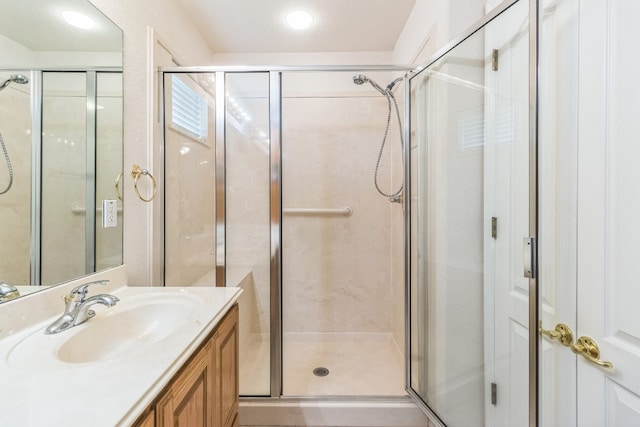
121 332
132 327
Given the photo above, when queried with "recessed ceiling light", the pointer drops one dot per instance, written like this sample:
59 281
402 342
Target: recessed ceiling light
78 19
299 19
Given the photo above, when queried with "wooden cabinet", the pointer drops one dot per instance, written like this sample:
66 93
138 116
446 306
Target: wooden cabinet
205 391
187 402
227 383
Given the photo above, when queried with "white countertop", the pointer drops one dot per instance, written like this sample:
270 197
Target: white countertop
37 389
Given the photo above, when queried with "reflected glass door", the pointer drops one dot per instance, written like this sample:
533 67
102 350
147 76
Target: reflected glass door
469 356
81 160
15 181
65 205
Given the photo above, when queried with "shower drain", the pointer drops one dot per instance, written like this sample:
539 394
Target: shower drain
321 372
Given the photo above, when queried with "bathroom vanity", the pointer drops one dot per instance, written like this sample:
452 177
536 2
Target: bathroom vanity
160 356
205 390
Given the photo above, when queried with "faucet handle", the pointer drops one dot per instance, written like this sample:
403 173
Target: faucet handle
81 291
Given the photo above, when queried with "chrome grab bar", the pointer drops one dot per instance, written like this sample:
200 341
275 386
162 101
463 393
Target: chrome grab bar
316 211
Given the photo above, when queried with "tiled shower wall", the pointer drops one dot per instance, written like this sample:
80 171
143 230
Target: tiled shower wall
338 272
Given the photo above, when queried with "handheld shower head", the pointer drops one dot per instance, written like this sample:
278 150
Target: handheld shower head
360 79
16 78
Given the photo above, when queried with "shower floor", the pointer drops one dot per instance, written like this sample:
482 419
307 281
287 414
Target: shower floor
367 364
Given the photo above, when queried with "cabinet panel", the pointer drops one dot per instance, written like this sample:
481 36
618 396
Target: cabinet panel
226 354
187 402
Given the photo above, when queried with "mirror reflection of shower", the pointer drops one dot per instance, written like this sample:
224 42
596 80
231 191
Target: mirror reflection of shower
387 92
20 79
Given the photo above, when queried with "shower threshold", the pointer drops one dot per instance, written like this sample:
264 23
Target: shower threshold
331 411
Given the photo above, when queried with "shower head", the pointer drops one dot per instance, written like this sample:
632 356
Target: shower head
16 78
360 79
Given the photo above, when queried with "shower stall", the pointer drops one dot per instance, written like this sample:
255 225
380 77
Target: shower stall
340 243
284 182
62 152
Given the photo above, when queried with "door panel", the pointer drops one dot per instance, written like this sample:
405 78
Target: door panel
557 209
596 37
608 224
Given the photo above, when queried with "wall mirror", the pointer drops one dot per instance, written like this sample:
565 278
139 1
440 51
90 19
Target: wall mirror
60 142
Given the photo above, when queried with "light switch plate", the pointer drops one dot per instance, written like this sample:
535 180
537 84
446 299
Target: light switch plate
109 213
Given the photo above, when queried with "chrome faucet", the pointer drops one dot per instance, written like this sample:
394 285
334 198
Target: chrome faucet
77 307
8 292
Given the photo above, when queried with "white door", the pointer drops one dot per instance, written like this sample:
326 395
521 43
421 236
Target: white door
601 300
608 294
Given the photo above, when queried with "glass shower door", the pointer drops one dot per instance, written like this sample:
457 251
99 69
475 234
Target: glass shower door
469 214
248 227
342 249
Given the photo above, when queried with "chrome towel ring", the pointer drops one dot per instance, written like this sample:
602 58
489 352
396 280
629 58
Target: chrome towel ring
136 173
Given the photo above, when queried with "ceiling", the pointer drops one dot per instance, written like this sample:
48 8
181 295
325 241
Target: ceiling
250 26
37 24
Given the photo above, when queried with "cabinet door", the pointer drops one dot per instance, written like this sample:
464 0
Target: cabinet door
226 354
187 403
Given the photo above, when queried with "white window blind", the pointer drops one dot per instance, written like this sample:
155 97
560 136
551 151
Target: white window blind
189 110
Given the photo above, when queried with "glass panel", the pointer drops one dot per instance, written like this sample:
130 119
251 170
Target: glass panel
248 223
190 191
469 215
15 202
108 166
343 264
64 167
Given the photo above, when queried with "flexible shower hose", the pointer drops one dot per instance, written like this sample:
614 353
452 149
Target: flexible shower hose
389 95
6 158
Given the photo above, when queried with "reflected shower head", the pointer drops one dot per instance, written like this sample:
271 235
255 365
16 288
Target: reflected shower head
16 78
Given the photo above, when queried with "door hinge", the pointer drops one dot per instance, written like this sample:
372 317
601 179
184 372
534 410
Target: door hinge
494 393
529 257
494 59
494 227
